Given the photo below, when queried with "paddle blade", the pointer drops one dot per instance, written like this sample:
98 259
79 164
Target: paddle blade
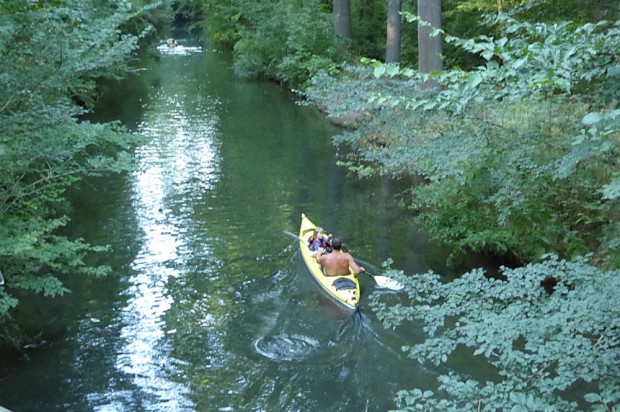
387 283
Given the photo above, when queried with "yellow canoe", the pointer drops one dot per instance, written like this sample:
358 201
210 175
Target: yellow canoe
344 289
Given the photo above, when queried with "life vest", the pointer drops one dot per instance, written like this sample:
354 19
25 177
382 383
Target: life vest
324 244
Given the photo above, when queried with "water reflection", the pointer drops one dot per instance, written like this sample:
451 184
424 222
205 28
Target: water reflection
286 347
178 165
180 49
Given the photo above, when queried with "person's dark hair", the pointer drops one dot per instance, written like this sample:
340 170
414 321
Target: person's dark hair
336 243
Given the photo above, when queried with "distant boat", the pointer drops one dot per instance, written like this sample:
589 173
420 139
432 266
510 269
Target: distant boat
172 43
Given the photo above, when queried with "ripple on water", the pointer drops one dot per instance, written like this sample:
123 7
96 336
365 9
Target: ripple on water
286 347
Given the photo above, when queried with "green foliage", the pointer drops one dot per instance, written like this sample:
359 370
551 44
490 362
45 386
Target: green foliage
279 40
224 21
368 27
532 60
52 55
581 11
542 345
521 157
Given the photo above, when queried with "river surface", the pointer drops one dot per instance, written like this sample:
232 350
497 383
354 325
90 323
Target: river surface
209 306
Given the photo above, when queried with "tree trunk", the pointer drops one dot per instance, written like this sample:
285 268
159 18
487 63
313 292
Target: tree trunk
392 45
342 18
429 48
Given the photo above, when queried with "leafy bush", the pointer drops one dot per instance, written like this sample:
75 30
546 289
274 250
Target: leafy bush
283 41
521 157
543 344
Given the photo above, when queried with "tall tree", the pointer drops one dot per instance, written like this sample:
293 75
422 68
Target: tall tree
392 46
429 43
342 18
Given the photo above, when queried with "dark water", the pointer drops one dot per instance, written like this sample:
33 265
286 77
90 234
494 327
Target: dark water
209 306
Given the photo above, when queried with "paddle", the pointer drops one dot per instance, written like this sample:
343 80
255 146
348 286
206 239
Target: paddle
293 235
383 282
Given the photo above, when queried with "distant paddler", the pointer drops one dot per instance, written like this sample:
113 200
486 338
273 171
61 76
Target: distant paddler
172 42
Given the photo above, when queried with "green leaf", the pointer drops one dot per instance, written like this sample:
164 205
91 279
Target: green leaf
488 54
392 70
474 79
611 191
592 118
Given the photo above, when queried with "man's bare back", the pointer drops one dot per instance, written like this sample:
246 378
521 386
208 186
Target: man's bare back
337 263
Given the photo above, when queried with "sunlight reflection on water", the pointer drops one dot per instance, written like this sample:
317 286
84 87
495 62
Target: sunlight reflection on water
179 50
179 163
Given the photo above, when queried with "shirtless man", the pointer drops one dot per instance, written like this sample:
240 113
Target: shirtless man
337 263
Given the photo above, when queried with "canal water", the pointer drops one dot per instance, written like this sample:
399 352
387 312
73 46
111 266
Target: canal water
209 306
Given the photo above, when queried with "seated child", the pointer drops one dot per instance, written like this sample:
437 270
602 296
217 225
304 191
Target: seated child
319 240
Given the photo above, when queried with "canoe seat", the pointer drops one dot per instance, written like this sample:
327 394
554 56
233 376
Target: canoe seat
344 284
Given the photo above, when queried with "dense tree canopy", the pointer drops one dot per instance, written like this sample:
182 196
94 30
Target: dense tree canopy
289 57
53 52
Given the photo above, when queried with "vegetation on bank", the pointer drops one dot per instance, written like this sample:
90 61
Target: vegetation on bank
53 54
552 349
519 151
520 155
